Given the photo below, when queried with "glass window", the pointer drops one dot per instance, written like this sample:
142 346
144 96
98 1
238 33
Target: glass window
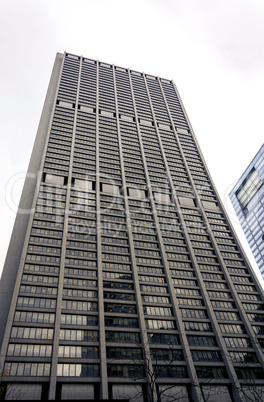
163 339
85 352
206 356
197 326
78 370
29 350
128 371
201 341
73 319
243 357
186 313
170 371
78 335
160 324
250 373
120 308
122 337
232 328
237 342
249 188
123 353
27 369
121 322
211 372
226 315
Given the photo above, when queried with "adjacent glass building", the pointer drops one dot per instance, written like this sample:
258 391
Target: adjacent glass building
247 198
123 274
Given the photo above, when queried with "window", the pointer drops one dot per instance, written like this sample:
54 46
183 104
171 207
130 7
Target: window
256 317
210 372
117 275
79 282
31 333
166 354
150 270
187 292
123 353
121 322
153 310
222 295
248 188
78 335
119 308
153 289
237 342
258 330
197 326
185 282
77 370
36 302
252 306
40 279
163 339
127 371
27 369
119 296
243 357
206 356
79 293
38 290
155 299
160 324
250 373
201 341
226 315
85 263
223 304
78 272
28 316
153 279
193 313
85 352
79 305
232 328
73 319
15 349
170 371
118 285
122 337
190 302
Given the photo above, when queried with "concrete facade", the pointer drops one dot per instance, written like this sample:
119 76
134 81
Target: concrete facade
125 273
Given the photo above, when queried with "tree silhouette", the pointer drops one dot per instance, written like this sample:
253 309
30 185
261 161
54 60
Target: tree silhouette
157 368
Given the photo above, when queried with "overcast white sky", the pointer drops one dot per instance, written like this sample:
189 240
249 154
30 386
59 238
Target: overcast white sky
213 50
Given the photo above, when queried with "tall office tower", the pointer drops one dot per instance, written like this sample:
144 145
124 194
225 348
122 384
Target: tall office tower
247 198
123 274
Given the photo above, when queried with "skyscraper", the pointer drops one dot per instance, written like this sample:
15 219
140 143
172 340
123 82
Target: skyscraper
123 273
247 198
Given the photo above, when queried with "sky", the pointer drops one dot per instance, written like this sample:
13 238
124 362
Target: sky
213 51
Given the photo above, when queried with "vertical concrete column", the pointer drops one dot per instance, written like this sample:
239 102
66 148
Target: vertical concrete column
141 319
101 323
56 339
176 311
